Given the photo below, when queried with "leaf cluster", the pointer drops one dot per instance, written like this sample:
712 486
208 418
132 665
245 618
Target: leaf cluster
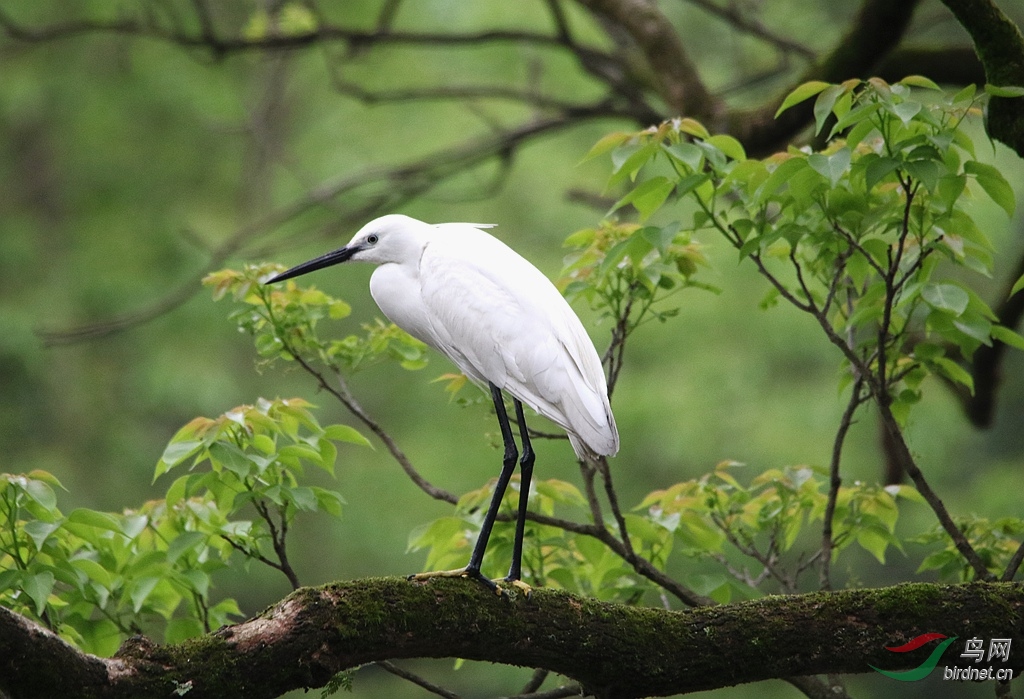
283 321
98 577
764 521
870 234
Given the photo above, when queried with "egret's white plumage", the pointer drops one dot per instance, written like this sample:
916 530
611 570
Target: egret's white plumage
500 321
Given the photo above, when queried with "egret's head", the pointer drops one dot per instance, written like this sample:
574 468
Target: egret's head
391 238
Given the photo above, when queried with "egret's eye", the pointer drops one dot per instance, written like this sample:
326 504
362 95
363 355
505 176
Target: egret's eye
371 239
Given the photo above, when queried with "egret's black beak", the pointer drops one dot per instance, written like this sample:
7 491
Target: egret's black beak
331 258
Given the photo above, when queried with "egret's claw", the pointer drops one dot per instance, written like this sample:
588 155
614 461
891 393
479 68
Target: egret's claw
526 589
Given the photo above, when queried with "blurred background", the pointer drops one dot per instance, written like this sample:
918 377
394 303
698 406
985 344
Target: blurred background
131 165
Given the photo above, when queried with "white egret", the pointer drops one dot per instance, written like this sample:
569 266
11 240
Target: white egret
503 324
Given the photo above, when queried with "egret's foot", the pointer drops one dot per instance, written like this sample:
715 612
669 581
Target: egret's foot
526 589
461 573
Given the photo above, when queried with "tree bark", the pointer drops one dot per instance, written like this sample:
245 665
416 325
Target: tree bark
612 650
1000 46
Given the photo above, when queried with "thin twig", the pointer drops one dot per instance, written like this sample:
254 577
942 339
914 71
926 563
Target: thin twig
345 397
736 19
835 481
569 690
388 666
536 680
1014 564
613 502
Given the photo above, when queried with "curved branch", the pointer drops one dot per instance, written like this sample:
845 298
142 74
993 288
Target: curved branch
220 45
678 80
737 19
403 183
612 650
879 27
1000 46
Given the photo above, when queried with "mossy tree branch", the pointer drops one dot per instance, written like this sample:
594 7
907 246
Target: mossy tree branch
612 650
1000 46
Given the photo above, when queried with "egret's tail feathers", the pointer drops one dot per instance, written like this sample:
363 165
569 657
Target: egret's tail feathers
597 445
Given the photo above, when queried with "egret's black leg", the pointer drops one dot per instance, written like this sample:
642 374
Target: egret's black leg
508 466
515 572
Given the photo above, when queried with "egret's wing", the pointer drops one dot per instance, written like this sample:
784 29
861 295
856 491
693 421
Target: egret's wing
500 320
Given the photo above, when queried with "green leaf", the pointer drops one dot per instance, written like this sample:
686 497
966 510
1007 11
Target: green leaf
133 525
875 540
41 493
832 166
264 443
339 309
728 145
946 297
648 196
974 325
823 105
303 497
859 115
40 531
94 571
994 184
1017 286
627 161
801 93
92 518
953 371
693 127
878 169
176 452
182 544
606 143
330 501
301 451
686 153
966 94
925 171
141 590
296 19
1004 90
232 458
907 111
38 587
785 170
1007 336
344 433
920 81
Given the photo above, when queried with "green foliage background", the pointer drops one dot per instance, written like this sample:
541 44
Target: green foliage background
123 163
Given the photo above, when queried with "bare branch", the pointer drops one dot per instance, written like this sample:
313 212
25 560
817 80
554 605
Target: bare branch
753 27
404 182
679 83
878 28
835 480
569 690
1014 565
221 45
345 397
416 679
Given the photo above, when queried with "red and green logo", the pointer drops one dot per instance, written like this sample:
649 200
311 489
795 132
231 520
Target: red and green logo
925 668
